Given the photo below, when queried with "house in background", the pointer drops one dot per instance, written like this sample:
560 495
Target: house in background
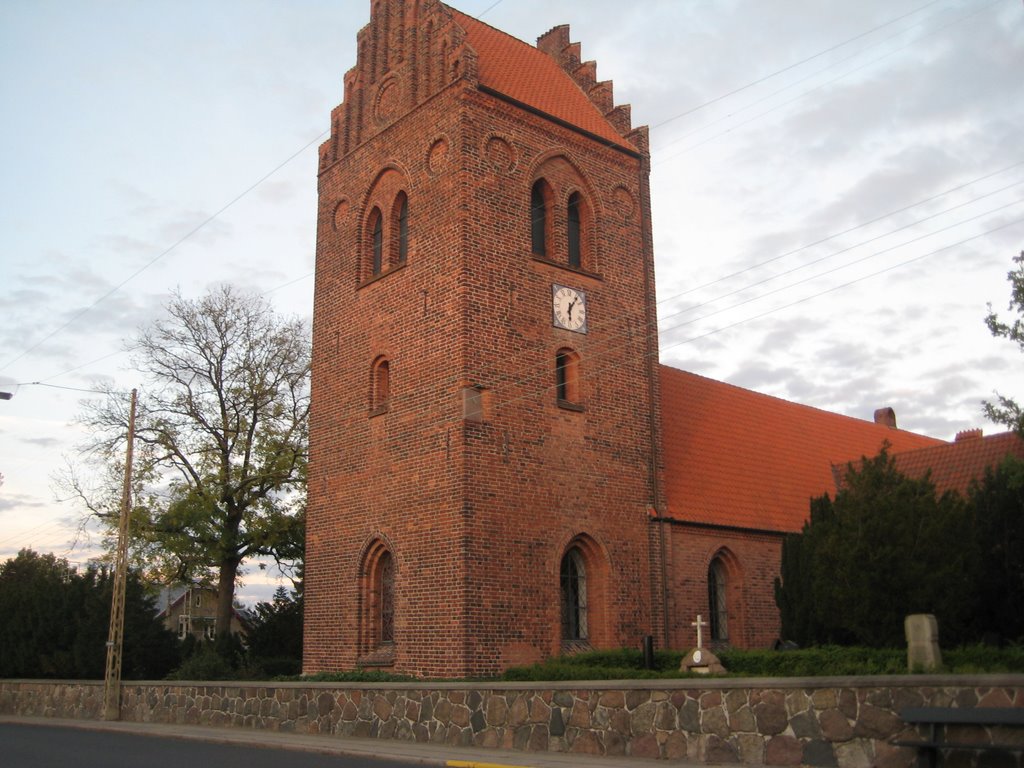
192 610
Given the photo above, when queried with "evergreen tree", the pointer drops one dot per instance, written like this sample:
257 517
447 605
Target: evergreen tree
997 505
56 620
275 634
887 546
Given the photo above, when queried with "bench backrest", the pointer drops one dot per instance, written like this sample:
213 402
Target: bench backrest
964 716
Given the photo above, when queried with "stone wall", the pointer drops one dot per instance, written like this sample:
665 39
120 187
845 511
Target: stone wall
820 722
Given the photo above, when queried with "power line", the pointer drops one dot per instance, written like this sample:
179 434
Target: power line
818 87
289 283
835 288
863 224
846 265
871 240
173 246
792 66
765 262
249 189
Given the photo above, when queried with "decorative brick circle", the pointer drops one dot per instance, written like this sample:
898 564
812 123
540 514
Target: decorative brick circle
437 155
388 101
341 210
500 154
624 203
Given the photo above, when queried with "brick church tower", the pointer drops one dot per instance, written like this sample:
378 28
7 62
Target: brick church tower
483 445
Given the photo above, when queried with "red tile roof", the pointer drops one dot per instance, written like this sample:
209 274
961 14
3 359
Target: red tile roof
738 458
528 75
954 465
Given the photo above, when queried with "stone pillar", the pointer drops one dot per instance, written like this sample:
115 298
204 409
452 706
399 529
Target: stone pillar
922 631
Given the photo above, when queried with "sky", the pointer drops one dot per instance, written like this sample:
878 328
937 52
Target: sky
838 193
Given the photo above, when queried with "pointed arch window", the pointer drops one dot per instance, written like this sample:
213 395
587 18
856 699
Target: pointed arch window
378 584
540 217
573 578
376 242
717 601
400 229
575 230
385 588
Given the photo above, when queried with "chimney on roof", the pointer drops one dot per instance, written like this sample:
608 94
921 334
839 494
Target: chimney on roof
886 417
968 434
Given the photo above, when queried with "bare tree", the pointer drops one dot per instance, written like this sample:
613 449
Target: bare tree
221 430
1007 411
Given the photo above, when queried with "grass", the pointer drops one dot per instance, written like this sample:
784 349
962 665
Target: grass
822 661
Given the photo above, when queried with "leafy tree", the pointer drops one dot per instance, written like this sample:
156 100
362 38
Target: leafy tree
56 620
221 435
1006 410
997 504
887 546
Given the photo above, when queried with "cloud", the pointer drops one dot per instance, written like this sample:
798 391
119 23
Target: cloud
19 501
42 442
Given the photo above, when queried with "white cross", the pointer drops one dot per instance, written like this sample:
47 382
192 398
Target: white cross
699 624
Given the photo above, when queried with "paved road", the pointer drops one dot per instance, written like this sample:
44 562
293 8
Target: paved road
42 742
44 746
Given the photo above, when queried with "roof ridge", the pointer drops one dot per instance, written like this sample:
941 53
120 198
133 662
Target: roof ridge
796 404
457 12
590 111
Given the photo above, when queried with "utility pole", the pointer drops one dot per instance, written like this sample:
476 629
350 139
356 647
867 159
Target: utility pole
115 636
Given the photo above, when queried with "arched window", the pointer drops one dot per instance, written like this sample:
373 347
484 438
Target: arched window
376 242
567 376
573 577
719 609
385 589
380 385
540 217
401 231
377 613
575 230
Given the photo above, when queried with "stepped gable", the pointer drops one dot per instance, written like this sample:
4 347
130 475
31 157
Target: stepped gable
409 51
549 78
741 459
954 465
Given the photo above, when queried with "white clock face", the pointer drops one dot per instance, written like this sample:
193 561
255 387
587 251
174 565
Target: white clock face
569 308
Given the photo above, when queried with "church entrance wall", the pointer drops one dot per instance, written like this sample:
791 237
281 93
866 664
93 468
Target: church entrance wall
749 563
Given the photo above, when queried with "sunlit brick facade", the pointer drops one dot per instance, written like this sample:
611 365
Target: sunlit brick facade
489 482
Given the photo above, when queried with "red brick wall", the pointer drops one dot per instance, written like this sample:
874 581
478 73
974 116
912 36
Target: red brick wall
477 514
752 564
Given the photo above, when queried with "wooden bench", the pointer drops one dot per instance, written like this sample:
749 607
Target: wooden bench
938 718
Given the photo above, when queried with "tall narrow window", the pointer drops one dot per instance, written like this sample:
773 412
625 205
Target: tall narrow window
717 600
574 230
386 598
573 579
567 376
403 228
540 199
380 385
377 241
378 608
